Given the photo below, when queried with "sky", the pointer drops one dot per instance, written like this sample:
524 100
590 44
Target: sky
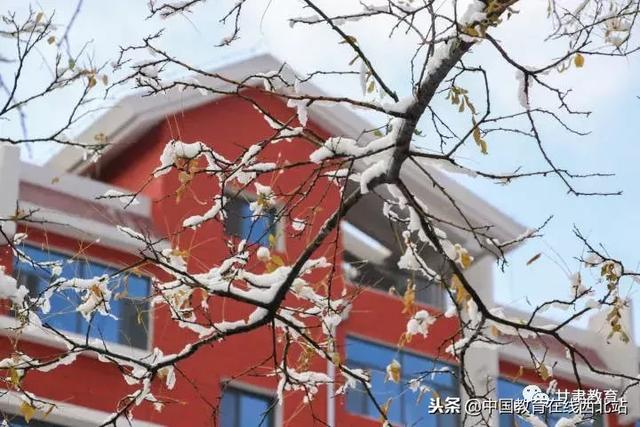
608 87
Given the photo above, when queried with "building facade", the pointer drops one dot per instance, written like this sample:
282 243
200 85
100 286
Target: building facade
64 222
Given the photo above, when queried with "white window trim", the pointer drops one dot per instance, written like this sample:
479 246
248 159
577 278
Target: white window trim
10 327
84 229
66 413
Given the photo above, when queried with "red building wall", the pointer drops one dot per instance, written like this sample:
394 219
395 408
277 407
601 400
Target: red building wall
229 126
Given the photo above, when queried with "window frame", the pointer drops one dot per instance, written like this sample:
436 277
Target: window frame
42 337
441 306
250 389
233 192
389 347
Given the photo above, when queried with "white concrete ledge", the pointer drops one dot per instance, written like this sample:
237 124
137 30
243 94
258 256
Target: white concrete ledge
66 414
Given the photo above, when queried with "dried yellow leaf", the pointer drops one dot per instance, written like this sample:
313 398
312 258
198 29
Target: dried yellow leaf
27 411
404 339
95 289
578 60
409 298
336 359
15 376
274 262
543 371
465 259
385 410
349 39
462 296
394 371
470 105
477 137
471 31
371 86
49 411
534 258
272 241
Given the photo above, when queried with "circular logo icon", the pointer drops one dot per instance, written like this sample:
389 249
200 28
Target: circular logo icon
533 393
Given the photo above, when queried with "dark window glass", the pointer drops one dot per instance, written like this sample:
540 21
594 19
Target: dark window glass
128 304
240 222
384 277
508 389
405 409
240 408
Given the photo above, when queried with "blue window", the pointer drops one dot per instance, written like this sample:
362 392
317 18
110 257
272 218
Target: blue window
240 222
508 389
129 304
241 408
405 407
